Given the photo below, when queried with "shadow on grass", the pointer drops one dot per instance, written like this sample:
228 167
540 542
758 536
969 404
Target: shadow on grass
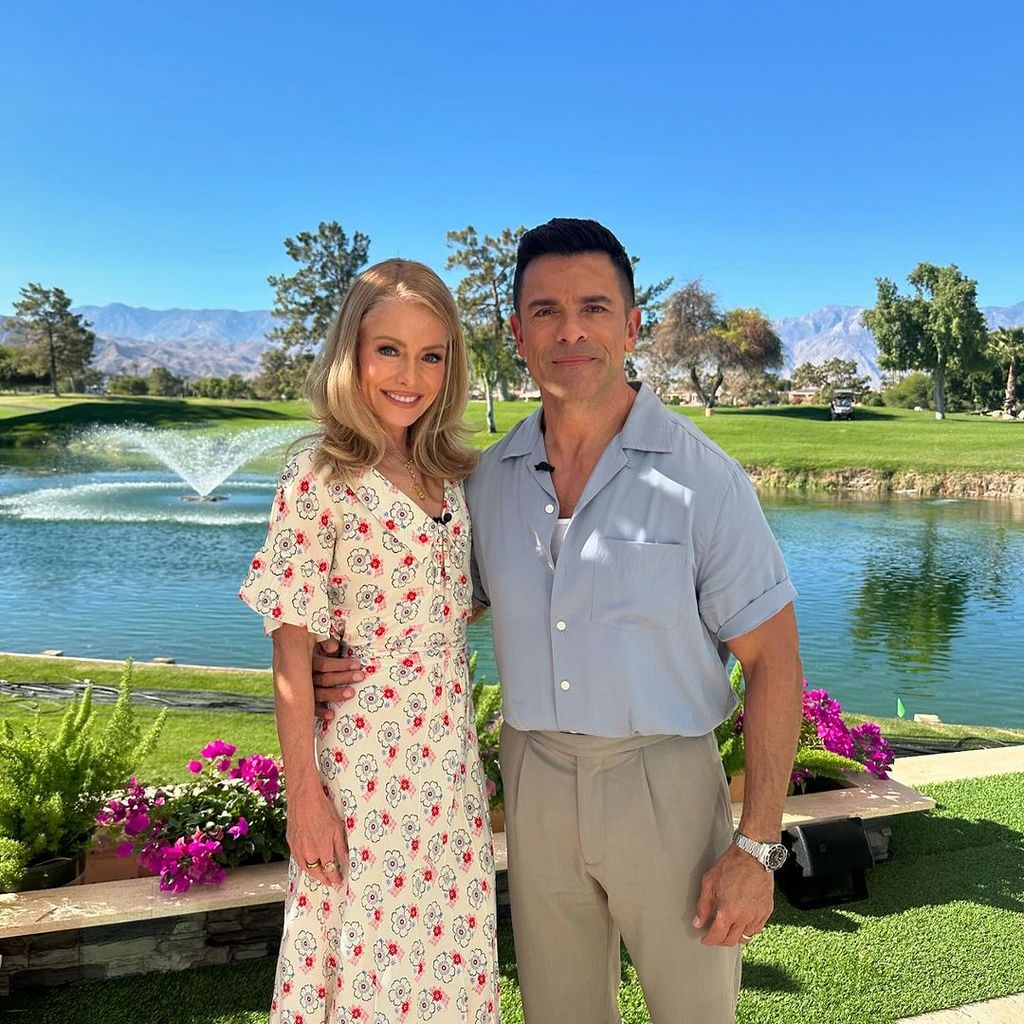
223 994
808 412
935 861
152 412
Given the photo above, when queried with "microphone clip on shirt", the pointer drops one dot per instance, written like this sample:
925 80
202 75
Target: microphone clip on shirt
544 467
443 519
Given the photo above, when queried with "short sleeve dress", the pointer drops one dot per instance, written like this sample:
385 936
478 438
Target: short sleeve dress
414 936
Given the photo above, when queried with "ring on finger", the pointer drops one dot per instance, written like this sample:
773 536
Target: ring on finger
313 864
744 937
331 865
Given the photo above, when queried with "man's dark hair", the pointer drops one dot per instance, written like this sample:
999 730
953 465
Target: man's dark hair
569 236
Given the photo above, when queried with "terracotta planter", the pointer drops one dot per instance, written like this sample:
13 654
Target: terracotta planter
736 788
104 865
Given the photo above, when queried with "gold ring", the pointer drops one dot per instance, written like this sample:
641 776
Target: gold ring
313 864
331 866
744 937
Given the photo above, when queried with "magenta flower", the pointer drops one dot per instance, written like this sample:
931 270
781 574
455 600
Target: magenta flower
239 830
125 849
195 767
136 822
218 748
224 764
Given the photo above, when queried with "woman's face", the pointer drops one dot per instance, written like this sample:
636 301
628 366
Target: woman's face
402 352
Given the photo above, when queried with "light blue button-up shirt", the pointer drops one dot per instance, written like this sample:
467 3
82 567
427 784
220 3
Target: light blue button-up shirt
668 556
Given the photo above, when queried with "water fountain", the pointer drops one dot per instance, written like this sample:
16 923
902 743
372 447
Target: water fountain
203 461
119 489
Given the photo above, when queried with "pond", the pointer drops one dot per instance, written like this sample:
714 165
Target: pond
915 599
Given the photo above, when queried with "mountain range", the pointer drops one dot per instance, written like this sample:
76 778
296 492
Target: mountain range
201 342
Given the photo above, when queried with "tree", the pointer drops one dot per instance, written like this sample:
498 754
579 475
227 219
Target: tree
707 342
232 386
657 373
1007 346
162 382
484 298
59 342
937 328
829 376
308 300
282 375
127 384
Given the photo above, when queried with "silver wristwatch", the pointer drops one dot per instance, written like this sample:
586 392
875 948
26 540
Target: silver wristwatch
771 856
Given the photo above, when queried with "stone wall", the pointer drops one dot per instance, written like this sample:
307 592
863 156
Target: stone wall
160 944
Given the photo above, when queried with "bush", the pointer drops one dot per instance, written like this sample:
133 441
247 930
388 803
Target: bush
872 399
51 789
124 384
915 390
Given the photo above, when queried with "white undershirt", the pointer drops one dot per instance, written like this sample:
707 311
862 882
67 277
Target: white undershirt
558 536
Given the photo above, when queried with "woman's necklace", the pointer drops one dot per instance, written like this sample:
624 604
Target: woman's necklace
414 473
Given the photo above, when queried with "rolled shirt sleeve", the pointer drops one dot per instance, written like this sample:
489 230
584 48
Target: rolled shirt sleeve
742 579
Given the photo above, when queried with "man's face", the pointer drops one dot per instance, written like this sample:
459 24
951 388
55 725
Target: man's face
574 326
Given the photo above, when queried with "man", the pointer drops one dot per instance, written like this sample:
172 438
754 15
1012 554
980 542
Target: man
623 556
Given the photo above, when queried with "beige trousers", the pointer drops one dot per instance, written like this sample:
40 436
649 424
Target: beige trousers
609 838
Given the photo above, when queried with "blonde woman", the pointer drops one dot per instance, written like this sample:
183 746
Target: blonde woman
390 910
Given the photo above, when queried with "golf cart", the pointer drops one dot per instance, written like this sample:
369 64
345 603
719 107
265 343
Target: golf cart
841 406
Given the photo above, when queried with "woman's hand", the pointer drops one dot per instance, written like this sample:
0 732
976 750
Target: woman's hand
316 838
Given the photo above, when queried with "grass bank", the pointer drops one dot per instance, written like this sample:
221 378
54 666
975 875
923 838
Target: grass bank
941 927
882 449
188 730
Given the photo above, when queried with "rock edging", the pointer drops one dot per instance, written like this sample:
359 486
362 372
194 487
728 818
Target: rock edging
999 486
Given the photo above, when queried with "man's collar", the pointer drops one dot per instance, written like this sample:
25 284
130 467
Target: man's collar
647 427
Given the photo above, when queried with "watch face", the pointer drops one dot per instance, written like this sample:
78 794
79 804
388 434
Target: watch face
775 856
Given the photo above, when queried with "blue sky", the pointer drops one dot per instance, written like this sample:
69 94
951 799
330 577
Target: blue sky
787 153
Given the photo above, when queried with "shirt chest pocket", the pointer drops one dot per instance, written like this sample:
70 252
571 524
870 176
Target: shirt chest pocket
641 585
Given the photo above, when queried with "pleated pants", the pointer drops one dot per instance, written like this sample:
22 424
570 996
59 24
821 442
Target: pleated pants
609 839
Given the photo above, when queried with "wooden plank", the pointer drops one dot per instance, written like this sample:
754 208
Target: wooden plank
866 797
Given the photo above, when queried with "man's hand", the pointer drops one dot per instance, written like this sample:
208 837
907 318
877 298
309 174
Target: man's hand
333 678
736 897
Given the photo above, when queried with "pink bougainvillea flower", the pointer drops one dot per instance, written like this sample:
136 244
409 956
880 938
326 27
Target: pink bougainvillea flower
125 849
136 822
195 767
218 748
239 830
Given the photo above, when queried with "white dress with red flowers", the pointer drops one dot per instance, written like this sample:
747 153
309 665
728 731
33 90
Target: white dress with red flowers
413 939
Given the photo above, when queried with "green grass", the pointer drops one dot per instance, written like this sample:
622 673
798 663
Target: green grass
942 926
27 668
793 439
29 421
184 732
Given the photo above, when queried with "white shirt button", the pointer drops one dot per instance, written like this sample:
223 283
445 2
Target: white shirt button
549 509
560 626
565 684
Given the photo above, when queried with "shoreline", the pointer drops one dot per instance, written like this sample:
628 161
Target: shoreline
991 485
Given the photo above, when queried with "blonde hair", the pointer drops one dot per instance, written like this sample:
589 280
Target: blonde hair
353 439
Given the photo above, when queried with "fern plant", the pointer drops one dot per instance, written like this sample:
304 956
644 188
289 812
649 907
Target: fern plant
52 785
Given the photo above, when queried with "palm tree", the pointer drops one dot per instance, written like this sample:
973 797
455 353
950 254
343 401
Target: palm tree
1007 344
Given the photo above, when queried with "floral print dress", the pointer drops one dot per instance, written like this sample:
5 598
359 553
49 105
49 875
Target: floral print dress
414 936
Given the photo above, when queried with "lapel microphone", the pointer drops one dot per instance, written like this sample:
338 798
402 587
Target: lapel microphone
443 519
544 467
